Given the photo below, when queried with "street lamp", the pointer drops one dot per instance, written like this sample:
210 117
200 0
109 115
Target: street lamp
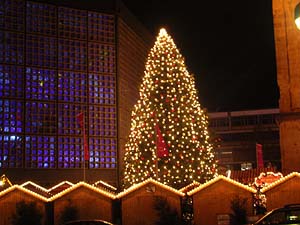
297 16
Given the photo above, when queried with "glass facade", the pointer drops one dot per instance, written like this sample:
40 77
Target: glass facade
56 63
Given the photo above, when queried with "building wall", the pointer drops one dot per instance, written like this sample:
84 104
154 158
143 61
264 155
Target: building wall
8 205
216 199
283 194
138 206
238 132
287 46
55 63
132 55
90 205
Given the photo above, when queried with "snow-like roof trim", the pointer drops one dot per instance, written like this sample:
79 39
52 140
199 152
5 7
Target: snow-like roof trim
82 184
280 181
192 185
218 178
59 185
25 190
143 183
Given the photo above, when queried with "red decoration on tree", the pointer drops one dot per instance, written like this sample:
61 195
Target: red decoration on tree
161 146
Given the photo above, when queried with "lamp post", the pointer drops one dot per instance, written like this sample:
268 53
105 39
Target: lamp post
297 16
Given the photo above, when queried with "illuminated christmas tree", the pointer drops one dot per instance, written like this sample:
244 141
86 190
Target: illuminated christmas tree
169 138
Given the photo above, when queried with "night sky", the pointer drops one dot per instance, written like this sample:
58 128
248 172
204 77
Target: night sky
228 45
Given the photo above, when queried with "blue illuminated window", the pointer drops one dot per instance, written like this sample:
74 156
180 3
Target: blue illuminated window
103 153
11 47
56 62
102 121
70 152
72 55
101 58
11 116
41 18
40 84
11 154
41 51
101 27
67 119
12 18
41 117
72 23
11 81
72 86
40 151
102 89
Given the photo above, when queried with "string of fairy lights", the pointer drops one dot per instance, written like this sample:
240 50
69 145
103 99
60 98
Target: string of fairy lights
168 106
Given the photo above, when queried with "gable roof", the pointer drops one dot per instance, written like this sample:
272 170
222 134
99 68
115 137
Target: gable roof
218 178
25 190
85 185
46 192
143 183
29 185
60 187
105 186
248 176
190 187
280 181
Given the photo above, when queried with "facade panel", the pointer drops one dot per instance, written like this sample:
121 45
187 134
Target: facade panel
57 62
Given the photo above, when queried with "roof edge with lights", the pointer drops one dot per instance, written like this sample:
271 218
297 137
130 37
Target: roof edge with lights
143 183
280 181
25 190
218 178
82 184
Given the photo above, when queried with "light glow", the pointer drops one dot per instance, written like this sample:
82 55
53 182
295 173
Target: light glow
297 21
218 178
168 117
280 181
297 15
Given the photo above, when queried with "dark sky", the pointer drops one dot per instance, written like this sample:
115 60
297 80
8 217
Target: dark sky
228 45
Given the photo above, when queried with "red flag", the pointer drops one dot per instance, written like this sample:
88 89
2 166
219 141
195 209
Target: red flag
161 146
259 156
80 119
86 148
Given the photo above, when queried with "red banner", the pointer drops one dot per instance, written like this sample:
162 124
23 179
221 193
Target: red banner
259 156
161 146
80 119
86 148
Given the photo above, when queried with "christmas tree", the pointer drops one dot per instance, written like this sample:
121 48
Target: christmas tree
169 139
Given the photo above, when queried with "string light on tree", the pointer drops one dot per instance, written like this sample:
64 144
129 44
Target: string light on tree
169 139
